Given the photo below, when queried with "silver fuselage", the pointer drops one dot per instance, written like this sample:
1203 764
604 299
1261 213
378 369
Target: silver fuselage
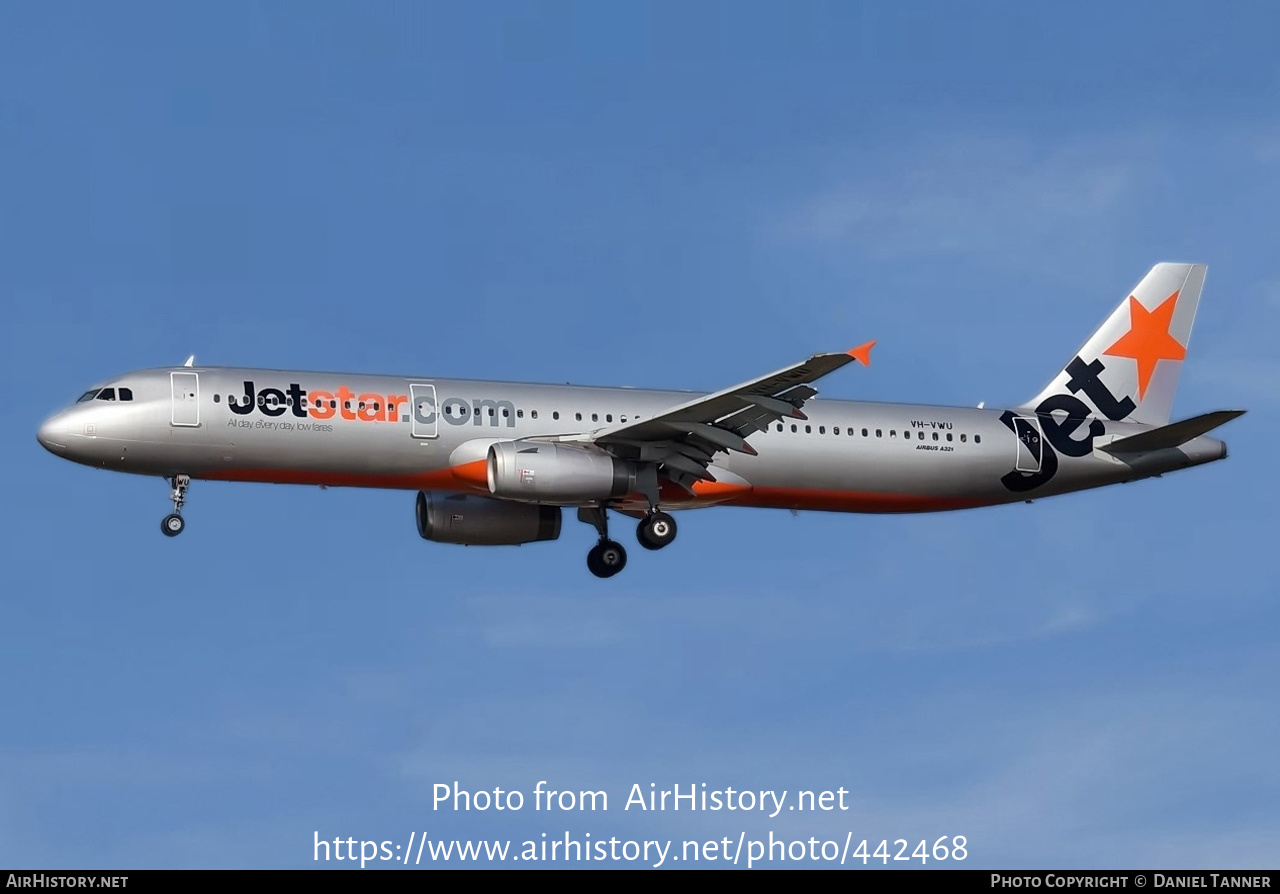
428 434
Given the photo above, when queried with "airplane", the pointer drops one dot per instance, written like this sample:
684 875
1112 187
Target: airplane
494 463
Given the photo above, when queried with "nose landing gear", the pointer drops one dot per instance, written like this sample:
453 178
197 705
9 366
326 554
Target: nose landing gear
172 525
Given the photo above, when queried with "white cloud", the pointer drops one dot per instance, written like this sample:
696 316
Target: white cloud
972 196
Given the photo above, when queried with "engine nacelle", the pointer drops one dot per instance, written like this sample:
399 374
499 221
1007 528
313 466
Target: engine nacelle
557 473
479 521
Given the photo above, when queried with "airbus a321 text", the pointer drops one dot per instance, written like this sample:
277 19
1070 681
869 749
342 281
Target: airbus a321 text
495 462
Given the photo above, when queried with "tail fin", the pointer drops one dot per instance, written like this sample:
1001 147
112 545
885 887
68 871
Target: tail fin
1128 370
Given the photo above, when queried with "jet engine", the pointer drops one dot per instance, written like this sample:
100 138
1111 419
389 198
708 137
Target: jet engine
479 521
557 473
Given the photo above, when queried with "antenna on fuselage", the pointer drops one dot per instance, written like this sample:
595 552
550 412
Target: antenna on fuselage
190 361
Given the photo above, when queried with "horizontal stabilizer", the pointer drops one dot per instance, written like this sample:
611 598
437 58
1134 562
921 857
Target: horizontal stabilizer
1173 435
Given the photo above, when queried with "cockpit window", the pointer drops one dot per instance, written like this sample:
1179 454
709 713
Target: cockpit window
106 394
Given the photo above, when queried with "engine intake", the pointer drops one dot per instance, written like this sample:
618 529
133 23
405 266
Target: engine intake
479 521
557 473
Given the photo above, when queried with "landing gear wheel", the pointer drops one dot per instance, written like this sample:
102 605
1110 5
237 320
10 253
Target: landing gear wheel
606 558
656 530
173 524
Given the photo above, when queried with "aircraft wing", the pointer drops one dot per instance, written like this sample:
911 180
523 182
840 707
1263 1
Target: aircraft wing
685 438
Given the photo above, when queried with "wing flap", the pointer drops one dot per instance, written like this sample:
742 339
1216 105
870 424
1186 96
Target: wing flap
773 405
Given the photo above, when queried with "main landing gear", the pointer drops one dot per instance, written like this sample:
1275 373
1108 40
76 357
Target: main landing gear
172 524
607 557
656 530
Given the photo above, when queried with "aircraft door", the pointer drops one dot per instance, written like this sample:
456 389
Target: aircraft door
1030 443
425 414
185 388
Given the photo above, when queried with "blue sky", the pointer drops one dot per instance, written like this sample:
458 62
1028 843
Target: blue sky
656 195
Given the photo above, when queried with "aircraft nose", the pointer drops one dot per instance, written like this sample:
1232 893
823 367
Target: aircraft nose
52 435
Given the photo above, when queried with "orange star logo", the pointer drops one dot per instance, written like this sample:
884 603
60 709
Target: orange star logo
1148 340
